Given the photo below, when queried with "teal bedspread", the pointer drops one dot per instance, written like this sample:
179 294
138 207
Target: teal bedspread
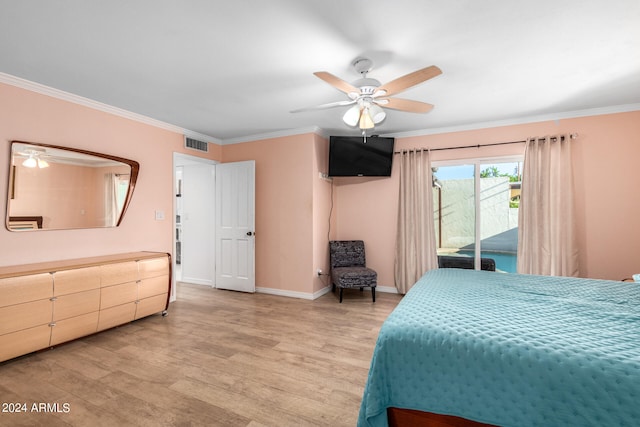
511 350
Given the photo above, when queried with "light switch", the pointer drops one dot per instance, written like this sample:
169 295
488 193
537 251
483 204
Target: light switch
159 215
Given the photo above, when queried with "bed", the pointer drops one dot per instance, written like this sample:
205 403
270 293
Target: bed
508 350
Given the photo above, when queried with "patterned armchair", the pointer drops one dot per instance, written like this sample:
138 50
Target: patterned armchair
348 267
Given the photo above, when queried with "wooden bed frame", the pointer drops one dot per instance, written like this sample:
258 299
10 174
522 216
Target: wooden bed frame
408 417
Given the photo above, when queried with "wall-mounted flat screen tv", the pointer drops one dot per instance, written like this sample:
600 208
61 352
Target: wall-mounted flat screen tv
357 156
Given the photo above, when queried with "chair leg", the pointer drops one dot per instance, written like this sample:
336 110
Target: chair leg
373 294
340 295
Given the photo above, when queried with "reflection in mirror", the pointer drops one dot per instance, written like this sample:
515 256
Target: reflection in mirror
53 187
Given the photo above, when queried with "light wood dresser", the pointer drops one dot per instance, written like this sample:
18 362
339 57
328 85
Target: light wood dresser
48 303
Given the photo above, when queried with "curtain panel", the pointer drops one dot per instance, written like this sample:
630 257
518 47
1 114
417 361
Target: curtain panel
416 240
546 231
111 199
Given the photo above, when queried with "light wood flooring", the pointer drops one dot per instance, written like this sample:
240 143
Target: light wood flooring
220 358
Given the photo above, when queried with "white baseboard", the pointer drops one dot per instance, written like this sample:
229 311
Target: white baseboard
294 294
323 291
317 294
196 281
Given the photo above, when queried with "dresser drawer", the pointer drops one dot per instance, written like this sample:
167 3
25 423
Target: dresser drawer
72 305
118 294
74 327
77 280
24 316
25 341
153 286
121 272
148 306
19 289
117 315
153 267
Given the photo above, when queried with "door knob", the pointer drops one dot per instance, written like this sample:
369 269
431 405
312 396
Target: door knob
249 233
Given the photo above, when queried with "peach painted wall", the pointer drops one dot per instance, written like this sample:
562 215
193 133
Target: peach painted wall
33 117
606 187
284 209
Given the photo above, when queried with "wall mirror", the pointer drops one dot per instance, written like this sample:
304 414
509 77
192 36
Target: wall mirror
53 187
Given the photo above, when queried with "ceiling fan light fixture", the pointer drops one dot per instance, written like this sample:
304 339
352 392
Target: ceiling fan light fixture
30 162
377 113
366 122
34 160
352 116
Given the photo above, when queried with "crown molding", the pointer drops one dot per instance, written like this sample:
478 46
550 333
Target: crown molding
276 134
86 102
521 120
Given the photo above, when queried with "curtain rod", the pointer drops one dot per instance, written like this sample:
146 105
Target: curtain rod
572 136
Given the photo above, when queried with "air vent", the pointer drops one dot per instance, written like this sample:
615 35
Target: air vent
194 144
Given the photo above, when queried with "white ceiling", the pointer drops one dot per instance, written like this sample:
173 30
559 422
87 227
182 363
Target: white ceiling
235 69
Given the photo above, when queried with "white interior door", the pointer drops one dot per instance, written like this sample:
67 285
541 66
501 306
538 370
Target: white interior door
235 226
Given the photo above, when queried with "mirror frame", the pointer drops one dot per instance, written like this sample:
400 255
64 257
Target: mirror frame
134 165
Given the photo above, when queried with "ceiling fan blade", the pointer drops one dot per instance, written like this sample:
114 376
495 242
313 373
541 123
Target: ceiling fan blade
323 106
404 105
337 82
409 80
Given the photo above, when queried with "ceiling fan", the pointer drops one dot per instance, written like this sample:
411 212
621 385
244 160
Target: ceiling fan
34 157
368 96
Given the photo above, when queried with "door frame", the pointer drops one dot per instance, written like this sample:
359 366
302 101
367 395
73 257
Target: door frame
181 159
476 162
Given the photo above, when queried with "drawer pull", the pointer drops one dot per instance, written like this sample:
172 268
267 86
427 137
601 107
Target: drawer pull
53 299
52 324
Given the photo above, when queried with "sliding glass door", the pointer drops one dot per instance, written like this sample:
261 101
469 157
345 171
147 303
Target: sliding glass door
476 212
